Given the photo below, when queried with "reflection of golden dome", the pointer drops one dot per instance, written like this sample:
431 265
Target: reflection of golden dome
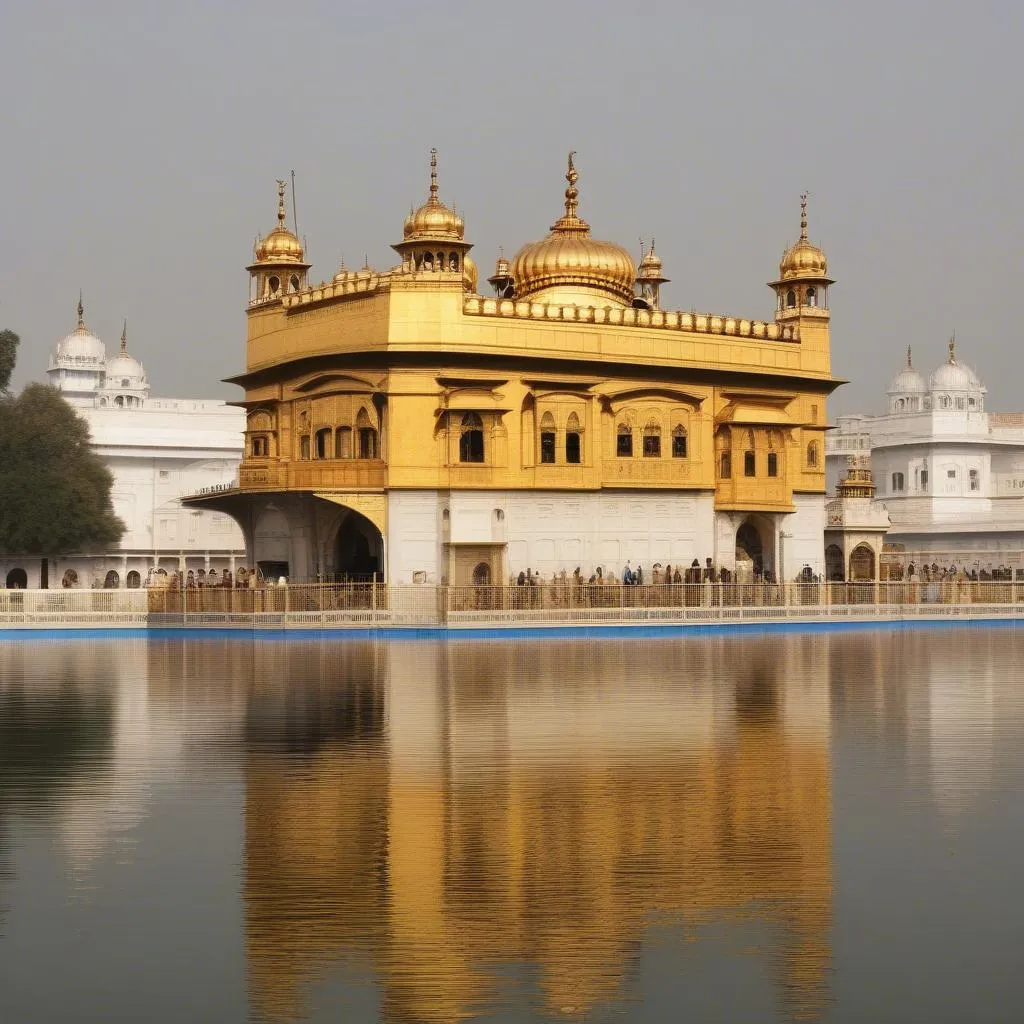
803 259
470 274
280 246
433 220
570 260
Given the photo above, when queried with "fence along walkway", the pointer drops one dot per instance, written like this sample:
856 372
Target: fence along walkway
554 603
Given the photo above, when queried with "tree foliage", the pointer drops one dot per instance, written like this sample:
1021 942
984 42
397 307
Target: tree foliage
8 354
54 489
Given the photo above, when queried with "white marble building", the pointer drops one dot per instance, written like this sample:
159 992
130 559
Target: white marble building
158 449
950 472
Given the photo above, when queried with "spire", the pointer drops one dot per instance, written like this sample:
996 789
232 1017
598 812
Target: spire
910 365
433 177
569 221
572 193
803 216
124 336
281 212
952 349
81 312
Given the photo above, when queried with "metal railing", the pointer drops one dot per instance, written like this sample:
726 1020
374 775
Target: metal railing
552 603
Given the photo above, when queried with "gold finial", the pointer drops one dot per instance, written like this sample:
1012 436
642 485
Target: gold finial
803 216
641 250
281 213
910 365
433 176
572 193
81 312
124 336
652 245
952 349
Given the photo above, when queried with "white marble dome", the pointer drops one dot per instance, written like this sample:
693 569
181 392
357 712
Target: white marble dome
908 381
123 367
954 376
81 346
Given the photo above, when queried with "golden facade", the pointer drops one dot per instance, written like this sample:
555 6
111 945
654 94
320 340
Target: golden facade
401 423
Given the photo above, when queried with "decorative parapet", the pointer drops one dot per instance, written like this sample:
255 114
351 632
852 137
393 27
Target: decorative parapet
358 282
700 323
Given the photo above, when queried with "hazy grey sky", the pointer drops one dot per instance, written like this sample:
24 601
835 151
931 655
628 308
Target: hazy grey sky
141 142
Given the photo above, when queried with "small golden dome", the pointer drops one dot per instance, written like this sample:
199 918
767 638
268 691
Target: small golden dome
281 245
433 220
470 274
650 266
570 260
803 260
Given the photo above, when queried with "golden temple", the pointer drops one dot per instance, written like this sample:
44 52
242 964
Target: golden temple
402 424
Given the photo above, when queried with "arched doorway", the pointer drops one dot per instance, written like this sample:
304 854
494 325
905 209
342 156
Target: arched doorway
70 579
358 549
753 555
482 575
112 580
862 564
17 579
835 570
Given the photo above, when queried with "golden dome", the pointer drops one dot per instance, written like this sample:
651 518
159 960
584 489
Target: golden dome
470 274
650 266
803 260
433 221
281 245
572 262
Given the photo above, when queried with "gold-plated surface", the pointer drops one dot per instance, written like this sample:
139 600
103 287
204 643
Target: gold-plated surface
281 245
570 261
803 259
433 221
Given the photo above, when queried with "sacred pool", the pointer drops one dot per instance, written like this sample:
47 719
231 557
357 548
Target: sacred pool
800 825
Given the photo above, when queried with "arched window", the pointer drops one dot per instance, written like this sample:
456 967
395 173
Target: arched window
471 438
547 439
112 581
133 580
343 443
725 465
367 436
294 282
258 446
428 261
304 447
897 482
812 297
119 402
481 575
899 404
652 441
274 285
453 263
749 463
679 442
812 455
773 463
573 440
323 443
17 579
624 441
790 299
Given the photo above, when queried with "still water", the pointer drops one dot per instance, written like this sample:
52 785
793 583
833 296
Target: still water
717 828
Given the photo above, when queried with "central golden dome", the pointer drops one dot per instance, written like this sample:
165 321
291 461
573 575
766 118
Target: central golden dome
570 266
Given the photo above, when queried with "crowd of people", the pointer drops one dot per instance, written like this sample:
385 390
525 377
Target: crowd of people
630 576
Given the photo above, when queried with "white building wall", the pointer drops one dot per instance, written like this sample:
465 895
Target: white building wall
549 530
803 536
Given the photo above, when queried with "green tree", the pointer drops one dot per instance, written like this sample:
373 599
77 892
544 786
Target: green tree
8 354
54 489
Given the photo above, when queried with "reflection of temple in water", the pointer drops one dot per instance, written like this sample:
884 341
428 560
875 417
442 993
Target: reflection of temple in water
457 807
